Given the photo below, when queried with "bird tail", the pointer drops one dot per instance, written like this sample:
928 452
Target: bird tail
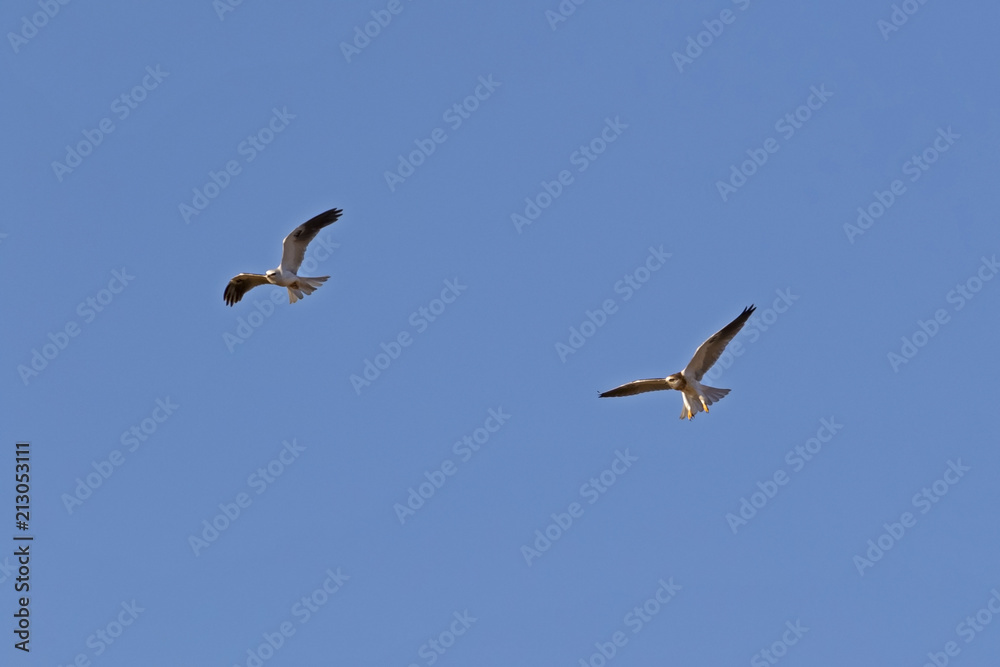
692 402
304 286
713 394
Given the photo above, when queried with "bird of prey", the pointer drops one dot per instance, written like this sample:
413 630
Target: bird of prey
293 249
697 397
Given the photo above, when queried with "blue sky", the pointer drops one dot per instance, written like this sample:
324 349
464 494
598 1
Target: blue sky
542 201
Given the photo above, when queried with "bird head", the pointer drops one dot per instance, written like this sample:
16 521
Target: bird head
676 381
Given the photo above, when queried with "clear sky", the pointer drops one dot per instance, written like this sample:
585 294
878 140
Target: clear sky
542 201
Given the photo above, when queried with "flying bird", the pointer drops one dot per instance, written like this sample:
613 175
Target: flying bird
697 397
293 249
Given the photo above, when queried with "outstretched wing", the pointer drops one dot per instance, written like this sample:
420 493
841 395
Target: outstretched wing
637 387
293 248
240 285
710 351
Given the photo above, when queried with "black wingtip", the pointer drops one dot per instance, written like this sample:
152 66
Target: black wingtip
333 215
317 222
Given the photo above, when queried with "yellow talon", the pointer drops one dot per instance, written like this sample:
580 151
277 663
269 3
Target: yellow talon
703 403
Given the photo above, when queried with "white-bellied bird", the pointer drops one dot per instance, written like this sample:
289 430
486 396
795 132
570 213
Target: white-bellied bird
293 249
697 397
